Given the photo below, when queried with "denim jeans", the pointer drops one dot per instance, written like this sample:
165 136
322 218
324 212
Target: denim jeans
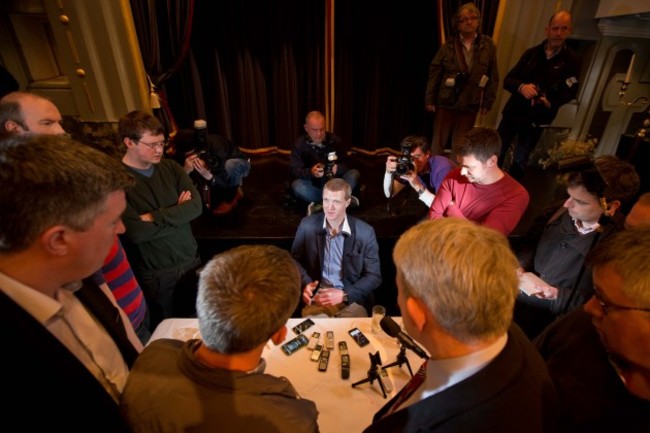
307 191
237 169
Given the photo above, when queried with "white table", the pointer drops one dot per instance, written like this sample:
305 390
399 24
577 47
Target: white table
341 408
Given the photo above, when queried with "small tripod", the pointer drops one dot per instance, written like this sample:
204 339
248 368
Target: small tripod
374 372
401 359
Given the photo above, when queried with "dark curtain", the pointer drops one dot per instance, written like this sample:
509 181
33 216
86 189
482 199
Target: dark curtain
164 29
382 65
255 68
254 71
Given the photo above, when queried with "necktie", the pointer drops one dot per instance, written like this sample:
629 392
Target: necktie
409 388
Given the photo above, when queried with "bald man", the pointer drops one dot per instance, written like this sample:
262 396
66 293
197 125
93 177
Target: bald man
22 112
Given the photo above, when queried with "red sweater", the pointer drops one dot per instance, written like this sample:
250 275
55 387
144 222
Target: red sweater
499 205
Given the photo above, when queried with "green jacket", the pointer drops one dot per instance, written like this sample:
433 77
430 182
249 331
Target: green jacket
447 89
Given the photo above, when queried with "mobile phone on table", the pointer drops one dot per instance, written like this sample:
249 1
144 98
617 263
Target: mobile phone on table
313 341
294 344
329 340
302 326
316 353
345 360
358 336
324 359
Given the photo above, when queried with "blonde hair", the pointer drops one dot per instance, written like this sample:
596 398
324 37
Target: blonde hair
463 272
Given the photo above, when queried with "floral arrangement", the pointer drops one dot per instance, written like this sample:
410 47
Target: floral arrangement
568 148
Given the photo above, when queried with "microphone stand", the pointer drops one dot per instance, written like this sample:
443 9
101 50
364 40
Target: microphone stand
401 359
374 373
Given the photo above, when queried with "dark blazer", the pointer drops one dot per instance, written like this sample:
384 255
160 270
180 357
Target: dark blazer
513 393
361 267
592 397
46 387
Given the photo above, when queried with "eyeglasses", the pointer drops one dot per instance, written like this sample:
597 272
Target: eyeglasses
160 144
467 19
414 156
608 306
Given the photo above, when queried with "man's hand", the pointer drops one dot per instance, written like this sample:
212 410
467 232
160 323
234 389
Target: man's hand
430 107
185 196
391 164
547 292
413 179
202 168
308 292
528 91
188 165
318 170
327 297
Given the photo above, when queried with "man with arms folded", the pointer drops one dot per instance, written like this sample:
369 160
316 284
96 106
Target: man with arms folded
479 190
60 209
599 356
159 210
217 383
338 256
456 284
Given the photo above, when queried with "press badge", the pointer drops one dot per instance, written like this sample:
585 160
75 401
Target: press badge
450 82
571 81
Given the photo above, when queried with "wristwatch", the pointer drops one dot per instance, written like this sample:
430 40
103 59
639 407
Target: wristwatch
346 300
421 191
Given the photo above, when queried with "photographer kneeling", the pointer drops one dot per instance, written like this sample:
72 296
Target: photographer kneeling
217 169
416 167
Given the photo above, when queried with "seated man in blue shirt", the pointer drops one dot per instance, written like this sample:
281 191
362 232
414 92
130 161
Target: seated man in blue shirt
338 256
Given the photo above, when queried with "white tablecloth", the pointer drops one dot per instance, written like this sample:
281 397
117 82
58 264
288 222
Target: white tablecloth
341 407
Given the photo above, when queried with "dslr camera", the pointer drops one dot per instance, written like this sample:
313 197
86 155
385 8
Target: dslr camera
404 163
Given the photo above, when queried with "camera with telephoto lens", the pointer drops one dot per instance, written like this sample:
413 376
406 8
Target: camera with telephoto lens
404 163
331 162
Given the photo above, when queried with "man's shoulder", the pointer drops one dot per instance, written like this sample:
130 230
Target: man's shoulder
442 161
487 41
359 225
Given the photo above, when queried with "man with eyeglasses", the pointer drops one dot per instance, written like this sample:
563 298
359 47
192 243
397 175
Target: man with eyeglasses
544 79
463 80
159 210
599 356
425 173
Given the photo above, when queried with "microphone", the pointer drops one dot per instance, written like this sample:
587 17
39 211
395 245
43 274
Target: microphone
391 328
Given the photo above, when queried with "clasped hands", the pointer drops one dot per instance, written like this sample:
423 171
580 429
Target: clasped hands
324 296
529 91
